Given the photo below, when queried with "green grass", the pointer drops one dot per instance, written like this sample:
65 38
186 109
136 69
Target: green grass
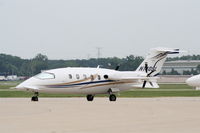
8 84
165 90
160 94
174 86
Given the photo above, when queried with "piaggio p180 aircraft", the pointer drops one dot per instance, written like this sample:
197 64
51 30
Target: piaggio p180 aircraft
92 81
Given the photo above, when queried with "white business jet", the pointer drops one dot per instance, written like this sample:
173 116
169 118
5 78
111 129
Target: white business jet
92 81
194 81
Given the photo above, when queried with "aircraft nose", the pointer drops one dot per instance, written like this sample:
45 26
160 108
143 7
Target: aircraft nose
20 87
188 81
192 81
27 84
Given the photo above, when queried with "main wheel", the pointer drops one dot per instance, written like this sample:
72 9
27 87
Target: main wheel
112 97
34 98
90 97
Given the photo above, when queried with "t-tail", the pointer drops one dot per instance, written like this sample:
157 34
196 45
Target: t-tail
154 61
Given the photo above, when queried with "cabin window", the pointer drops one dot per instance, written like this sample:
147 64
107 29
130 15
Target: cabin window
84 76
45 75
99 77
70 76
92 77
77 76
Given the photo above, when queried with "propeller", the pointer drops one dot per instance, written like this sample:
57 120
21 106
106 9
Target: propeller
144 84
146 67
148 75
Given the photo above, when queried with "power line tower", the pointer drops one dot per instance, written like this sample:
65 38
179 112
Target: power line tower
99 52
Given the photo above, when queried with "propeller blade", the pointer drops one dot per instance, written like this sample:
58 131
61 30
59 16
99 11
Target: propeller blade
151 84
144 84
150 73
146 67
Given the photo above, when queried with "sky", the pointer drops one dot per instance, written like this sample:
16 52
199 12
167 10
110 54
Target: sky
74 29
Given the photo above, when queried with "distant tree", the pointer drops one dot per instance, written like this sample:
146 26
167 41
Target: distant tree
131 63
186 72
164 73
186 57
198 69
193 72
40 62
27 67
174 72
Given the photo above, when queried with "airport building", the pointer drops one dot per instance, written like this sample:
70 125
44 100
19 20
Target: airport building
180 66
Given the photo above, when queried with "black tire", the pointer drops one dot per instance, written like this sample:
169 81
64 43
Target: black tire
34 98
112 97
90 97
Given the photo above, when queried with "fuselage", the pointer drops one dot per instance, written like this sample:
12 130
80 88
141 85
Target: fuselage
79 81
91 81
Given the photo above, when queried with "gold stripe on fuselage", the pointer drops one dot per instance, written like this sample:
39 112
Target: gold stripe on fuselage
112 83
78 81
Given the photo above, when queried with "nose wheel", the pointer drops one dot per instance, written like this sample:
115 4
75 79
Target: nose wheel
35 97
90 97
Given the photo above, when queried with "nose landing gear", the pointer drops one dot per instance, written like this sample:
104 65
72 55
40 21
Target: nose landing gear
35 97
90 97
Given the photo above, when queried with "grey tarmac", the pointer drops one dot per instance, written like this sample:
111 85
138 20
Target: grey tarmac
77 115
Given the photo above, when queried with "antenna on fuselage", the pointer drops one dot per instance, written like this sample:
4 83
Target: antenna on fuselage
99 66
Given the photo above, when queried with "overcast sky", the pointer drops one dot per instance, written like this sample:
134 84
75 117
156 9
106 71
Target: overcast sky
70 29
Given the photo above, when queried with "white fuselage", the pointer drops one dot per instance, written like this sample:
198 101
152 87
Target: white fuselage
98 80
79 81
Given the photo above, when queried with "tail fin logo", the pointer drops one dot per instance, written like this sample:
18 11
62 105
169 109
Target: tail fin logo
142 68
160 55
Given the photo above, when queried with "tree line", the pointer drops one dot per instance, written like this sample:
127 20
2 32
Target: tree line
13 65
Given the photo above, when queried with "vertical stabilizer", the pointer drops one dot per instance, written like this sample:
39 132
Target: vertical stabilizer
155 60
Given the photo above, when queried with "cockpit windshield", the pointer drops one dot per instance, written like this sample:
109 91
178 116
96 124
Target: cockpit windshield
45 75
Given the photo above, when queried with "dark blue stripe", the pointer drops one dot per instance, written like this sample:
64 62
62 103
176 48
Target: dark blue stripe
77 84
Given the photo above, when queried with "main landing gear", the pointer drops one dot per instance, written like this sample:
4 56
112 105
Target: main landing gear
112 97
35 97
